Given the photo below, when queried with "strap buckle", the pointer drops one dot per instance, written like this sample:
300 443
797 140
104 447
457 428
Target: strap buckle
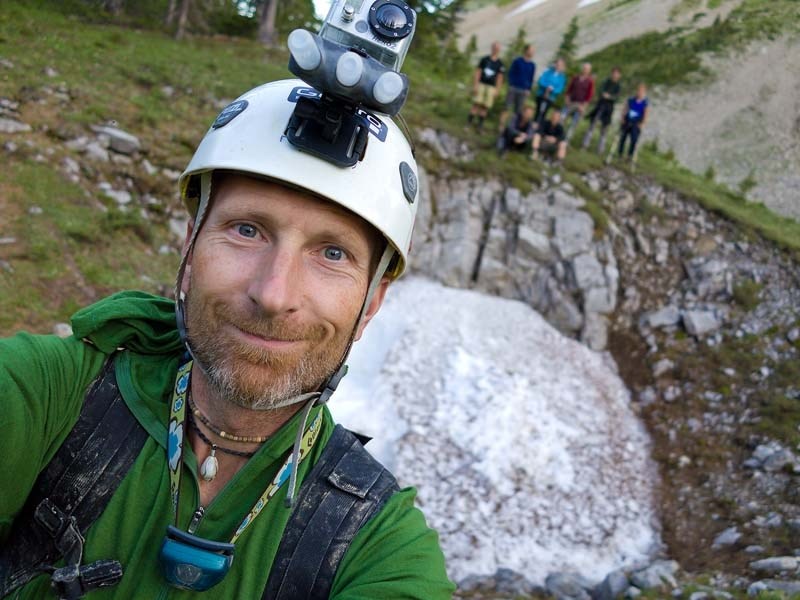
73 581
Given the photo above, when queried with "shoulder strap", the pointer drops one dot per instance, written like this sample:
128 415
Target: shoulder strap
346 487
75 487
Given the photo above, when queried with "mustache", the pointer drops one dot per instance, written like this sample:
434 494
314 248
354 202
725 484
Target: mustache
270 328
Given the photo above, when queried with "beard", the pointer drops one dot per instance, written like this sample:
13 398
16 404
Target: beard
250 376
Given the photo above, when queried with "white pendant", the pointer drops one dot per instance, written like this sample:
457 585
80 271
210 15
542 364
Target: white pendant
208 470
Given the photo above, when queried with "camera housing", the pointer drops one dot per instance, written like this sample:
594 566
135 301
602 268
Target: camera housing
383 29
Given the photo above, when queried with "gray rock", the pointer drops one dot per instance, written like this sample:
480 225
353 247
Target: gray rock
656 575
664 317
648 396
95 151
563 314
149 168
588 271
13 126
662 251
632 593
62 330
662 366
765 585
171 174
701 322
566 586
624 201
599 300
573 233
779 460
754 549
699 596
70 165
563 199
121 197
642 242
7 241
35 210
10 147
50 72
178 227
120 141
533 245
793 335
776 564
78 144
595 331
764 451
672 393
5 63
612 587
727 538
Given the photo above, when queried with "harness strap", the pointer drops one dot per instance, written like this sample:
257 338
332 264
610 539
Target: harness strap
345 488
72 491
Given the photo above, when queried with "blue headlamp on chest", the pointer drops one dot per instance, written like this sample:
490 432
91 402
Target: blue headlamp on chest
193 563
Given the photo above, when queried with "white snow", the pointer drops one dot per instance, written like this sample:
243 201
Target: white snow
521 442
584 3
525 7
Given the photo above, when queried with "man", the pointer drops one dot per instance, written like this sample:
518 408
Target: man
520 82
603 110
549 88
634 116
486 82
550 139
579 93
287 258
518 134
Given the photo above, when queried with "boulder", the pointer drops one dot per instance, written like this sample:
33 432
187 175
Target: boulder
13 126
664 317
533 245
595 331
588 271
120 141
573 233
656 575
727 538
776 564
612 587
566 586
599 300
701 322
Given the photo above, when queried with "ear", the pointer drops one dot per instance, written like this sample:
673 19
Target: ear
374 305
186 252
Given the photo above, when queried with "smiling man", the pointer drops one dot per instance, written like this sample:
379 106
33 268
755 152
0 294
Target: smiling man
197 432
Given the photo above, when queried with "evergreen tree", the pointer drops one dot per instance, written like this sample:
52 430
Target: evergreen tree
517 47
569 46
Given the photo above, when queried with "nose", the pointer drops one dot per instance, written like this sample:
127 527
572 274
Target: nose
275 285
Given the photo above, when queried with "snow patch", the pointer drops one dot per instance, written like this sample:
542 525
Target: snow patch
521 442
524 8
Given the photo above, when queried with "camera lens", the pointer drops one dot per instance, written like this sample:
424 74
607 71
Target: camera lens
391 19
391 16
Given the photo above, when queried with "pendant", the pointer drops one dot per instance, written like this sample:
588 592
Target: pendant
208 470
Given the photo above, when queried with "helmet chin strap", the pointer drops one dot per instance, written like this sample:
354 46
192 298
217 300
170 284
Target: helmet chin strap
311 399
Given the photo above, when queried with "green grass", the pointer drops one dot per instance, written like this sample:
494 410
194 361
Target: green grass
674 57
715 197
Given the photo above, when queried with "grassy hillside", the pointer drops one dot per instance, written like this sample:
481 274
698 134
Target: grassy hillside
65 243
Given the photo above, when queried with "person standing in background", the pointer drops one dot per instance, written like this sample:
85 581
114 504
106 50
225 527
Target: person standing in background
633 120
579 94
520 81
549 88
603 110
486 82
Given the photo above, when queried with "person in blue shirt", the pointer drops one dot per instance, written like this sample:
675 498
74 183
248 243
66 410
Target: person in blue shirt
550 85
634 117
520 82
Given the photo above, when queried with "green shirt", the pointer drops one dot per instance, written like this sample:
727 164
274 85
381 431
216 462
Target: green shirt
43 380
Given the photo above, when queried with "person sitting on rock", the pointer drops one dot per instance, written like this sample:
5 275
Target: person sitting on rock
549 88
520 81
518 134
603 110
550 138
579 93
633 120
487 80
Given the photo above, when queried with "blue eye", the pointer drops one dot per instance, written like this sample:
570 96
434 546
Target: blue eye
246 230
334 253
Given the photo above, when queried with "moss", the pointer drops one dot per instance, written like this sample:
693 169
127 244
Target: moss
746 294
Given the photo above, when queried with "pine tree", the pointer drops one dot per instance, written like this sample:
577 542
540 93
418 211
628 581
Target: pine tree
569 47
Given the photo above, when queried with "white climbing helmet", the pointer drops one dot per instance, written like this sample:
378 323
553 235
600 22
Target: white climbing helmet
249 136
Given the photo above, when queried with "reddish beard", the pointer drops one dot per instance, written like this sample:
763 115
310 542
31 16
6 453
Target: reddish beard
251 376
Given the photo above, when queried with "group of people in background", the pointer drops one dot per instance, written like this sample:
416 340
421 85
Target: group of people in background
538 126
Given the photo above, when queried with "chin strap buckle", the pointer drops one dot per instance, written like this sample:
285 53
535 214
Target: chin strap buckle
331 386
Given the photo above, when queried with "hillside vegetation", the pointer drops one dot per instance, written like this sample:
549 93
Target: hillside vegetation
67 243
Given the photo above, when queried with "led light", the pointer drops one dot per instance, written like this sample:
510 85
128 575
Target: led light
304 49
388 87
349 69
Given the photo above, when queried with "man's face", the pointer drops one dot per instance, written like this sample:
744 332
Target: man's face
560 65
586 69
615 75
529 52
274 285
495 48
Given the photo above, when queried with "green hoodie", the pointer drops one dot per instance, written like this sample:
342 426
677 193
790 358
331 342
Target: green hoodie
43 380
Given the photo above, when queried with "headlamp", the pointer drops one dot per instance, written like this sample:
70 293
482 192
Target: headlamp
193 563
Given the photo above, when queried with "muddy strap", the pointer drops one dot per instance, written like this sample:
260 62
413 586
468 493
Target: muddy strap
71 493
346 487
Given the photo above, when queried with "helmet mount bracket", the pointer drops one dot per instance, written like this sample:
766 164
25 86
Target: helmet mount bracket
329 129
